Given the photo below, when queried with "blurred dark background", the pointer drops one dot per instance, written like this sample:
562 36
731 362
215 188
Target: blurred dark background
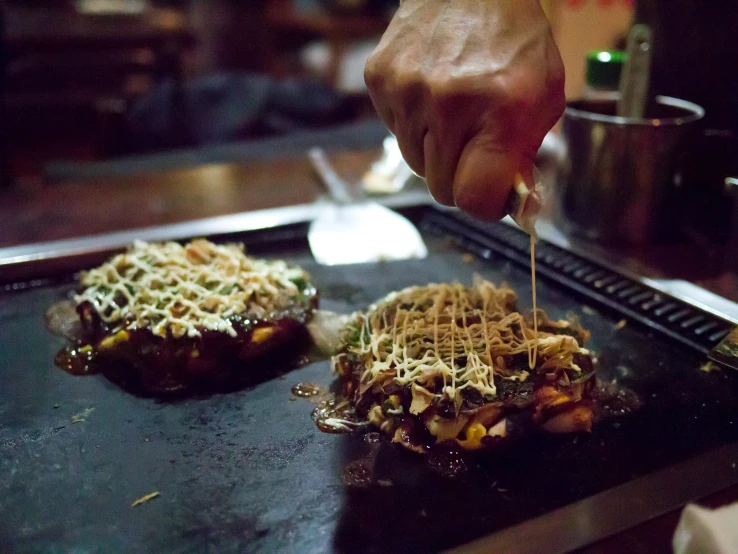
91 80
95 80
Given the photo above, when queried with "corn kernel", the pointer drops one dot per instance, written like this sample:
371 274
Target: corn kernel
474 434
260 334
113 340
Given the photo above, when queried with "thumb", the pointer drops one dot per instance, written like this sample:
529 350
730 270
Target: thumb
524 203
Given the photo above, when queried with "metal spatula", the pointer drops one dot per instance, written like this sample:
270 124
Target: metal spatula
635 78
348 232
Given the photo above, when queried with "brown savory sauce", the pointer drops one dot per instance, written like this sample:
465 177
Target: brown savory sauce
146 364
76 360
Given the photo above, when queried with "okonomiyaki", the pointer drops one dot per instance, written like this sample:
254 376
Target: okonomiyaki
448 363
167 318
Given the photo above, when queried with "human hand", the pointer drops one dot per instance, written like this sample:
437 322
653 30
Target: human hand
469 88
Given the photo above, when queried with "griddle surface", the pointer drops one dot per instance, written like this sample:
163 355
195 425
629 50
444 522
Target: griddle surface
248 471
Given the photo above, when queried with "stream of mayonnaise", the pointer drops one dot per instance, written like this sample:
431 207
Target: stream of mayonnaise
532 355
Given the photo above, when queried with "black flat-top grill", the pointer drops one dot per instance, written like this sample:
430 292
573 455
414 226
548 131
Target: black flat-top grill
248 471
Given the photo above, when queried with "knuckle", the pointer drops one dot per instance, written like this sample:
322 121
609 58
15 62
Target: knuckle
406 85
528 98
404 81
372 74
440 86
514 92
391 80
447 98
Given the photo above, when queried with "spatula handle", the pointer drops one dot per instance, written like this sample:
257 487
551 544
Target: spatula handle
337 187
635 77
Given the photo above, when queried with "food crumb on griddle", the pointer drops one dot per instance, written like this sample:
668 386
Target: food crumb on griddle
709 367
82 416
620 324
145 499
587 310
467 258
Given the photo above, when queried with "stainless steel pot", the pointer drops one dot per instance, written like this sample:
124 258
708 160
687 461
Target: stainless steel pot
621 179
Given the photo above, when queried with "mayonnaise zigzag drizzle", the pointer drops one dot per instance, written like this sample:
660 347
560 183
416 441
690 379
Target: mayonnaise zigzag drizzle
182 289
465 336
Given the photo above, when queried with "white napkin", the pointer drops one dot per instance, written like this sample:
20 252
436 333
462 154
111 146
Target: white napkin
705 531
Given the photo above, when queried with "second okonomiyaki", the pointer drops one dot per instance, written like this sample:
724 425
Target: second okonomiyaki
445 362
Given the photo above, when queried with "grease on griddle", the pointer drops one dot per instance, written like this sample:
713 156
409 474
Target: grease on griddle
332 414
448 462
359 473
306 390
615 400
315 394
372 437
336 416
